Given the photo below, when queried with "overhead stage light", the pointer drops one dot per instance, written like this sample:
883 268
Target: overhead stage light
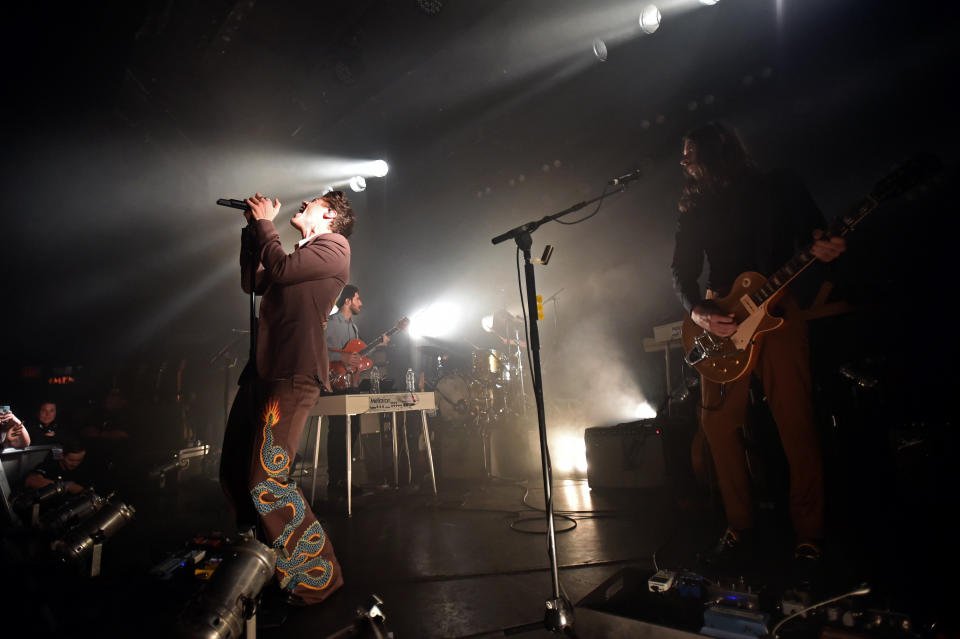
358 183
379 168
486 323
430 7
600 50
709 2
650 18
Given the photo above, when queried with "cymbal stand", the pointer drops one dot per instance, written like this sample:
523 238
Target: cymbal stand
520 367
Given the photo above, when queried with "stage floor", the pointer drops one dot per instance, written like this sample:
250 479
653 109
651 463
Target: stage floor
449 566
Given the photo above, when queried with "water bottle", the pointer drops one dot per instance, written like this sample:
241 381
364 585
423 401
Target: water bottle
375 380
411 380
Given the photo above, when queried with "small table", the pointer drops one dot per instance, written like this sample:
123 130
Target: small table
357 404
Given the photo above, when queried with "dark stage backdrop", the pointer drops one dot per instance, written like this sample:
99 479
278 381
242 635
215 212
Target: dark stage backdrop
124 123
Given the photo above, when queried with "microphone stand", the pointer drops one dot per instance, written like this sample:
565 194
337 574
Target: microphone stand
559 611
254 263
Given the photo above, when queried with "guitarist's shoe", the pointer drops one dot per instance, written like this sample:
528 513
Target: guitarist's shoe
807 566
731 550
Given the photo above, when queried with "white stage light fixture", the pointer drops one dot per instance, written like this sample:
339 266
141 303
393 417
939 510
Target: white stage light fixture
650 18
709 3
486 323
379 168
600 50
358 183
223 608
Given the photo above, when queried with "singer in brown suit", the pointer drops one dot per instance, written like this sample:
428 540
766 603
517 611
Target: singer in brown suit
278 389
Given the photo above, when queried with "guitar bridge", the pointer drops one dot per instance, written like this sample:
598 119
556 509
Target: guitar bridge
707 346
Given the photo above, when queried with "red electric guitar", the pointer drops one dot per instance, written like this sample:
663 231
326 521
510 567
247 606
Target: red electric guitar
340 376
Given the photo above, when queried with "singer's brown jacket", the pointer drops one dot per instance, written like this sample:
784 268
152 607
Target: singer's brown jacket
299 291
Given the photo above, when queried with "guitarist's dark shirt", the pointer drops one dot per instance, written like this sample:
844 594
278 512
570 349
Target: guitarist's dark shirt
755 225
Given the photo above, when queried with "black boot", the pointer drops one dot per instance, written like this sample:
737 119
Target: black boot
808 566
731 551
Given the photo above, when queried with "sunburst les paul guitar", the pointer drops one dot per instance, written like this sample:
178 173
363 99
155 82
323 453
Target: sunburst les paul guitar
724 359
340 376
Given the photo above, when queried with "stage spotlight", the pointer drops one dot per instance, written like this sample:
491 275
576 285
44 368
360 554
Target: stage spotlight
600 50
358 183
645 411
87 538
230 597
569 454
650 18
437 320
486 323
73 511
709 3
379 168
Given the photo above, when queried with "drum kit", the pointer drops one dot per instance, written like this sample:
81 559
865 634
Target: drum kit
488 390
479 387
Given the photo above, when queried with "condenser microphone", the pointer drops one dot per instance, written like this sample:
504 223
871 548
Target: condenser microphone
233 204
623 179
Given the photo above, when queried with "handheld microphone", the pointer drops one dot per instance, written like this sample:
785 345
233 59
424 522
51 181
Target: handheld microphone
623 179
233 204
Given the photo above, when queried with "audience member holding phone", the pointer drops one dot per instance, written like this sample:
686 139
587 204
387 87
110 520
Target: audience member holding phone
12 431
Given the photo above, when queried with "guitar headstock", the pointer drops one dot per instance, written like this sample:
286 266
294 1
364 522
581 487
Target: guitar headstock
402 324
911 173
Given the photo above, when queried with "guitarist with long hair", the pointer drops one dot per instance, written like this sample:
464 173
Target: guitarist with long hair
741 219
341 329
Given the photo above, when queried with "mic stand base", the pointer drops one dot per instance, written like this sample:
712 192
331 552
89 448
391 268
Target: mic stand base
558 619
559 616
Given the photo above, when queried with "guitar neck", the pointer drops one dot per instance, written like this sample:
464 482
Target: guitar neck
372 345
805 258
914 171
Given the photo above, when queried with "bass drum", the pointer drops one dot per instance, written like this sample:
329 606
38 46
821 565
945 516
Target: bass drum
453 398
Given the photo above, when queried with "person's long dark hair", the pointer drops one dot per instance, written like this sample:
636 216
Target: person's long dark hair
723 157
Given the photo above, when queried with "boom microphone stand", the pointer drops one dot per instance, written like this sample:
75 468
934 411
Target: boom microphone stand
559 611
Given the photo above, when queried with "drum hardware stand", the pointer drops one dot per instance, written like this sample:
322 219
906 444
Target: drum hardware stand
555 298
558 617
229 361
520 367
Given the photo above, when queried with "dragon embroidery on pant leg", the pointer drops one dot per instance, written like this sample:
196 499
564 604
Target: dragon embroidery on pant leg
304 566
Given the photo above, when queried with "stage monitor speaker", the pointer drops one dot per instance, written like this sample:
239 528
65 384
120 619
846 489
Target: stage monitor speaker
627 455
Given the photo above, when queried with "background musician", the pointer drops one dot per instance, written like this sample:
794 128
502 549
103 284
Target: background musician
341 329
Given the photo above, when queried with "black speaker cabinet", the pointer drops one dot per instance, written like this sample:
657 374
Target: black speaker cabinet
626 455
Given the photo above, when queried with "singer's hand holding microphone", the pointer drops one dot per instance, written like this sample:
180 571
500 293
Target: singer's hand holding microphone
261 208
